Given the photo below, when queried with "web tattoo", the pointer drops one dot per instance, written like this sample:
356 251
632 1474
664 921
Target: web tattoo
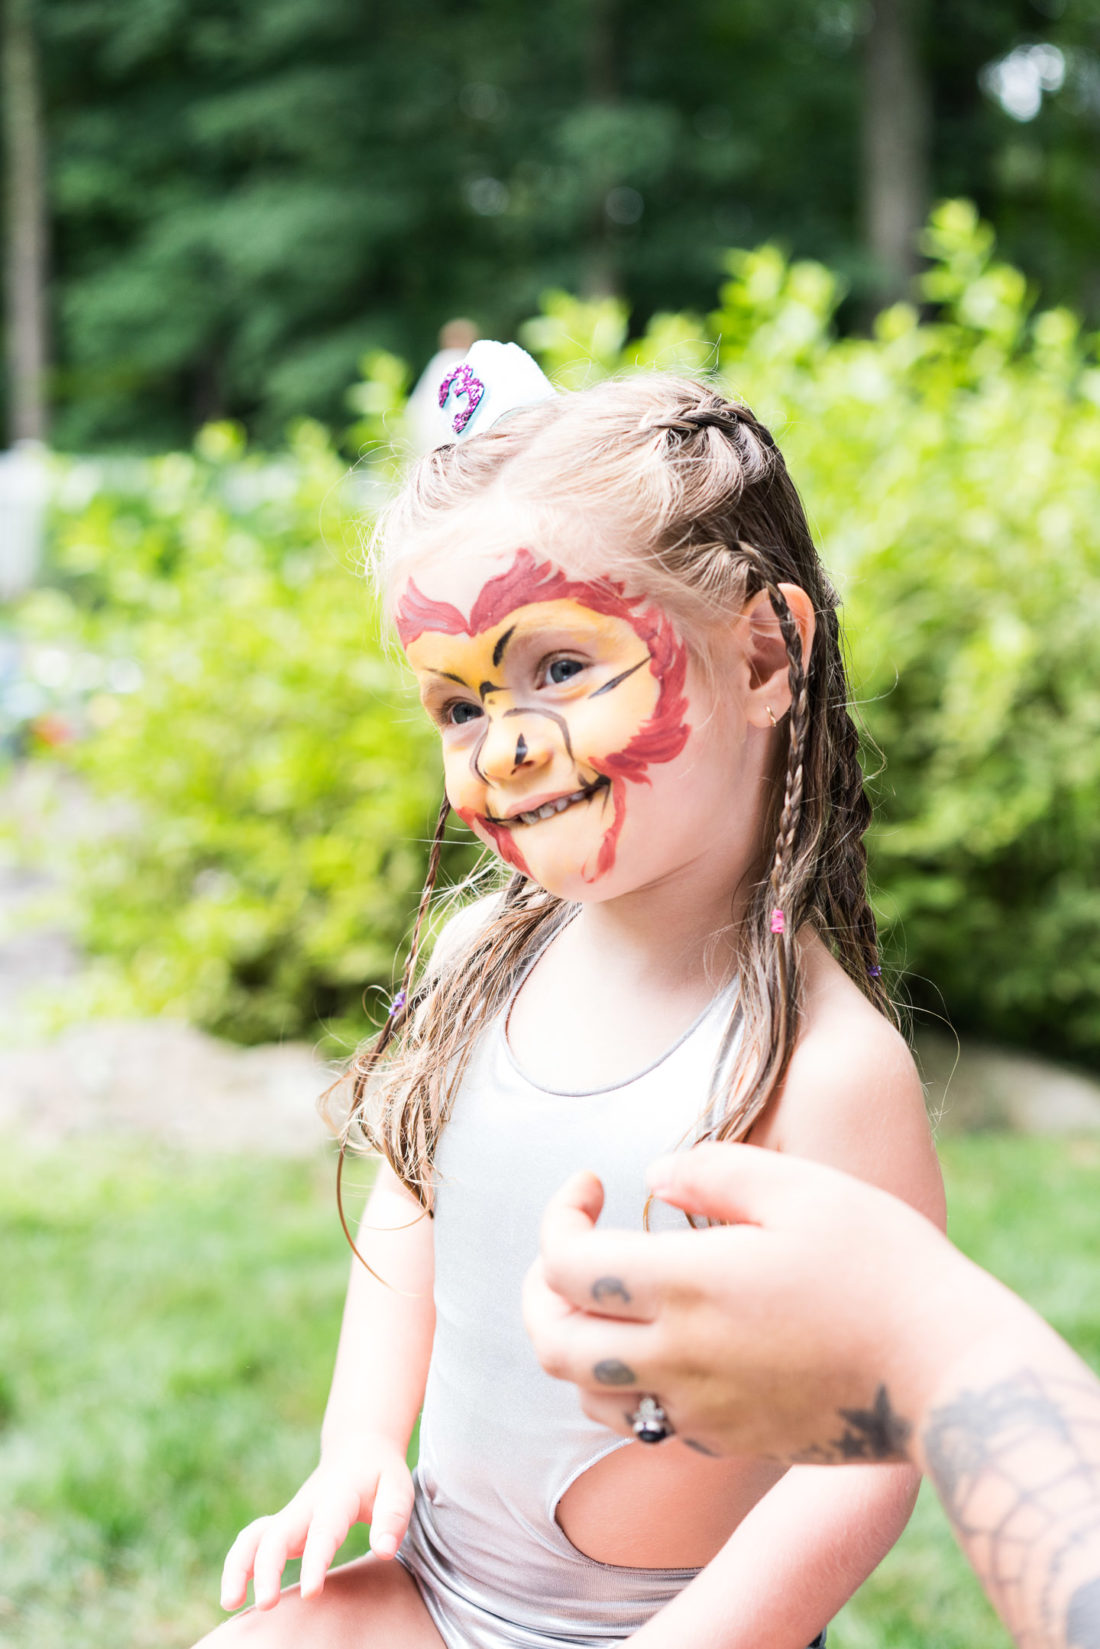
1017 1466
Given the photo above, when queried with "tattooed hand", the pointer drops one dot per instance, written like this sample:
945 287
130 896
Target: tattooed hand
827 1322
763 1336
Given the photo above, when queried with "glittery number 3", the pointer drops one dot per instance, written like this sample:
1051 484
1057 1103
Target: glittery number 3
461 382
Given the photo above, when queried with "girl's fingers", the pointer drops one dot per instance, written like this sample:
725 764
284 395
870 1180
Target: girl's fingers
392 1509
284 1537
238 1563
327 1534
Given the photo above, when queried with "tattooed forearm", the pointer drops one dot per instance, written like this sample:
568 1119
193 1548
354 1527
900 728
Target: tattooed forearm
610 1288
611 1372
1017 1466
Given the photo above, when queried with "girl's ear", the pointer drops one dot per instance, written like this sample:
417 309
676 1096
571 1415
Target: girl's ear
765 652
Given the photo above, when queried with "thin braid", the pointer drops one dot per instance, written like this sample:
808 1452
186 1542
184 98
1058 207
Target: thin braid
776 993
790 819
799 715
366 1063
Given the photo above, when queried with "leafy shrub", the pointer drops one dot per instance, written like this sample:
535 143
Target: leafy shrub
951 465
281 781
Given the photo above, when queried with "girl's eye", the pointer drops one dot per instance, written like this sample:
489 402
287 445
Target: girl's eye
561 670
461 712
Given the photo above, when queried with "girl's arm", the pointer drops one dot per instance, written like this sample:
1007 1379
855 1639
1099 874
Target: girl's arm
377 1390
793 1563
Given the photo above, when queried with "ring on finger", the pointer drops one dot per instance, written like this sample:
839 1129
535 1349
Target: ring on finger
650 1422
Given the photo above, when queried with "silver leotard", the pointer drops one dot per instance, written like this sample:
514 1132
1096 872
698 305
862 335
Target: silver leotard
500 1440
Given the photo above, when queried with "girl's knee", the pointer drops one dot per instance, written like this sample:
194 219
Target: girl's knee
383 1595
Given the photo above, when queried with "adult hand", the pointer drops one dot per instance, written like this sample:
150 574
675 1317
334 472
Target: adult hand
809 1327
368 1482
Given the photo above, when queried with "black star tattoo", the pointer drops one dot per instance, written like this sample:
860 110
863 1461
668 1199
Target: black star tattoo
876 1433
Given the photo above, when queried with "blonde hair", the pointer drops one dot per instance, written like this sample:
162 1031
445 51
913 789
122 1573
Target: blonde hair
687 494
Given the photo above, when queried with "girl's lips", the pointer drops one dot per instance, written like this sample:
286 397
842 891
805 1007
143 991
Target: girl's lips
556 804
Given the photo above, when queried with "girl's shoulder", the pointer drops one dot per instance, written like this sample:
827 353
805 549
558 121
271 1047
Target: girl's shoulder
852 1096
463 929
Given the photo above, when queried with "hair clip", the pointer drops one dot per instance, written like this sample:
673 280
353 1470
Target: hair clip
779 921
397 1004
493 380
875 972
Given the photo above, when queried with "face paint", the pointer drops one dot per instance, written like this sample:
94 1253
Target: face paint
552 696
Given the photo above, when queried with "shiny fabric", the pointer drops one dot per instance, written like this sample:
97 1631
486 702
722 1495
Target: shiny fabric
500 1440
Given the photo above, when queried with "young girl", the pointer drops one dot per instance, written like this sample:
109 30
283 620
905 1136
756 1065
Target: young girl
620 626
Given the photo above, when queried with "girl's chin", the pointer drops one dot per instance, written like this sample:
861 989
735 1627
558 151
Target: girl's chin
566 874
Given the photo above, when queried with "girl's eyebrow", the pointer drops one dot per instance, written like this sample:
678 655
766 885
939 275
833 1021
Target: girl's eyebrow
502 642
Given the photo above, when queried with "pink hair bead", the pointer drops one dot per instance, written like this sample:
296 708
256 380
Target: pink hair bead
779 921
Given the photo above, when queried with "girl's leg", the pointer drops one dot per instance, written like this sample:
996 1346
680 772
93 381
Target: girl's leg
363 1602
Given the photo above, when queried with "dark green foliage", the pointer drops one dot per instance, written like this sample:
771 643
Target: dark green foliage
245 197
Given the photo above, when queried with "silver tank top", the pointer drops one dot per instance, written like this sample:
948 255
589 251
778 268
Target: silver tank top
501 1441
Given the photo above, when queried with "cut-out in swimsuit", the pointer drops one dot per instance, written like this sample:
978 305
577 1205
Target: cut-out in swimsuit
500 1441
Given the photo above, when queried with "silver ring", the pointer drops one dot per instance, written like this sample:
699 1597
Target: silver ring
651 1423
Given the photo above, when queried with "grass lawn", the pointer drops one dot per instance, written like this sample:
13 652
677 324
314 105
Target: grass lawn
167 1331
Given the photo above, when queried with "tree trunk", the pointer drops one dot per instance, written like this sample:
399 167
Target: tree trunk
601 276
896 137
25 231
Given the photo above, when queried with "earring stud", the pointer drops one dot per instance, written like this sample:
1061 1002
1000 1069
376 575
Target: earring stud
771 713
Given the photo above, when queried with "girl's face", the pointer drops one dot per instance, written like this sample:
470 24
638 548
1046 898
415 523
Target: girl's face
576 740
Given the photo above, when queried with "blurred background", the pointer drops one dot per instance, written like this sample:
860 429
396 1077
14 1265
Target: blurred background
234 238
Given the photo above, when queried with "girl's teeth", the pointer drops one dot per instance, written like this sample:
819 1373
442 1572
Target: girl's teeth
548 809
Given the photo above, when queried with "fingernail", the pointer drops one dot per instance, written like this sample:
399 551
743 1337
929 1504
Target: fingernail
384 1546
659 1175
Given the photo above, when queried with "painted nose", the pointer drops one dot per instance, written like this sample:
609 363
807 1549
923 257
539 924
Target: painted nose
515 743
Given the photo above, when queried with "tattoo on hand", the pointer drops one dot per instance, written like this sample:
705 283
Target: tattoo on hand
1017 1466
610 1288
610 1372
877 1433
700 1448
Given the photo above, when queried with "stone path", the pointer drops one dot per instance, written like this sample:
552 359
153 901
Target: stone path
167 1081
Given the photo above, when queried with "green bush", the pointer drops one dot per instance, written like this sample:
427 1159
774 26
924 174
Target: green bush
284 784
281 779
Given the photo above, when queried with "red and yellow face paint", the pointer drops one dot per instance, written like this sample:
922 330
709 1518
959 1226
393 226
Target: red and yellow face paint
552 696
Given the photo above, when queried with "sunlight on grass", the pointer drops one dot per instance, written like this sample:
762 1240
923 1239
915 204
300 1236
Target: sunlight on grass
165 1349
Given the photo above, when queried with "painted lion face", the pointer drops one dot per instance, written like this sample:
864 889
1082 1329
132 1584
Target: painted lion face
553 696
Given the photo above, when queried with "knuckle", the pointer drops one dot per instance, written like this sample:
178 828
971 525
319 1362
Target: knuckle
553 1359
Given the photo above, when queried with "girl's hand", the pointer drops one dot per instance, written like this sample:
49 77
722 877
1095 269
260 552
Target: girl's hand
368 1481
